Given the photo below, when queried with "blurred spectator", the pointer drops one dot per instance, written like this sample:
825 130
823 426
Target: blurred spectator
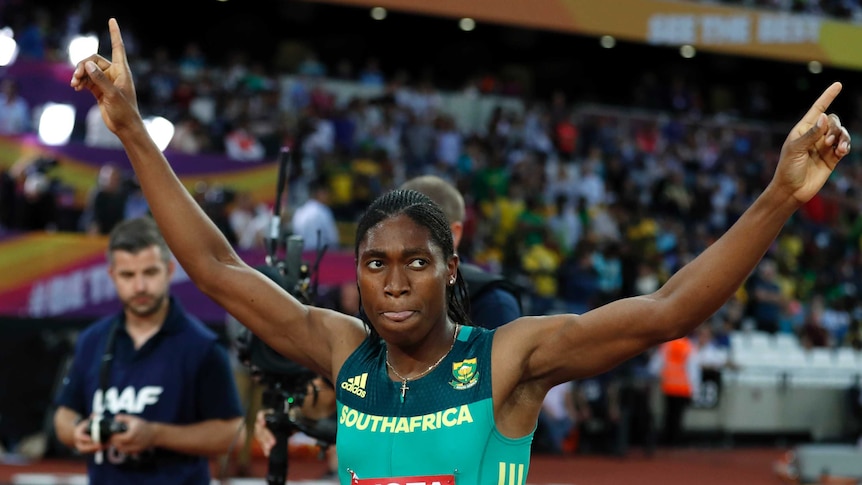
31 191
556 419
241 144
448 145
637 417
578 281
14 109
565 224
314 220
106 204
96 134
371 74
713 359
766 299
597 401
311 66
540 261
813 332
607 261
190 136
853 339
531 223
678 369
249 220
215 200
192 62
136 203
33 38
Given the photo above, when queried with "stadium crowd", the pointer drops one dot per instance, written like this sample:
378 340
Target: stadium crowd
579 202
562 196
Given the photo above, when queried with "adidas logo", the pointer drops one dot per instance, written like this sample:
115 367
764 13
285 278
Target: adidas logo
356 385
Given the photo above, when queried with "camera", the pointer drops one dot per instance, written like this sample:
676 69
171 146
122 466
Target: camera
42 165
103 427
293 275
286 382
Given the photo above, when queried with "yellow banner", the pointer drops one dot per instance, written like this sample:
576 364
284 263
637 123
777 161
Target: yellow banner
708 27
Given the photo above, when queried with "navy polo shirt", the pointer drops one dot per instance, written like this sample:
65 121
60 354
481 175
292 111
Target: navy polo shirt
181 375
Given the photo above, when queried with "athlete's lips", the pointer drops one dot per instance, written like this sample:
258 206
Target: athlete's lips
399 316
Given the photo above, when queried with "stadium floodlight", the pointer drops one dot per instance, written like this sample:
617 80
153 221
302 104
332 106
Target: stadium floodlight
8 47
56 123
161 130
687 51
467 24
82 46
378 13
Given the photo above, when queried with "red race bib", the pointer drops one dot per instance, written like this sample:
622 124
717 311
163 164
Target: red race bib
422 480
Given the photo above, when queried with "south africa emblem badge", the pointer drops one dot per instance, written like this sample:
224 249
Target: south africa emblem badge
465 373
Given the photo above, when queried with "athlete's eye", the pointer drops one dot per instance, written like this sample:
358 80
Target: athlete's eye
418 263
374 264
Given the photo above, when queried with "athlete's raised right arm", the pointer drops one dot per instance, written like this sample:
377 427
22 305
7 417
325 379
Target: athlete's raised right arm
269 311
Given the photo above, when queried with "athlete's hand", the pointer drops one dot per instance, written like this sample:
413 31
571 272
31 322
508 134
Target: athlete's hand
812 149
111 83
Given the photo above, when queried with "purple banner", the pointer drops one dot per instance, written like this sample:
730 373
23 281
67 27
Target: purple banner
46 275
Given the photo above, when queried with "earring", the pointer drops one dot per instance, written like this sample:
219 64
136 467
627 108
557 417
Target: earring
452 280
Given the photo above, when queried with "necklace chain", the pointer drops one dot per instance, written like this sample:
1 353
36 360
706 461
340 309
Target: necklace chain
433 366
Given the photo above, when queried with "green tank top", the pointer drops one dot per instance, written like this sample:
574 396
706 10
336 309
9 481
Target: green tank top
444 426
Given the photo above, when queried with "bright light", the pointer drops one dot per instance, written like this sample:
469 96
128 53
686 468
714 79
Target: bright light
378 13
687 51
81 47
8 47
467 24
161 131
607 41
56 123
815 67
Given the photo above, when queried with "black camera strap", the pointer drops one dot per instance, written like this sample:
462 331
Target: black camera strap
104 374
107 360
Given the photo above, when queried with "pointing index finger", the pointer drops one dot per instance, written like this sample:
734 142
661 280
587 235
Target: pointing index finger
822 104
118 49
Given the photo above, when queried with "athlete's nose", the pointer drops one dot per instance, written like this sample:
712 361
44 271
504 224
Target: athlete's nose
397 282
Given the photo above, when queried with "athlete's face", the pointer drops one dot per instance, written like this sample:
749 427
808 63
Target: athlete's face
402 278
142 280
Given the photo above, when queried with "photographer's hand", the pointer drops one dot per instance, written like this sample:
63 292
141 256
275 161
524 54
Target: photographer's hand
138 437
83 441
71 430
262 434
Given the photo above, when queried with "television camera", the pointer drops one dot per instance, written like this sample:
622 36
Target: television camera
286 383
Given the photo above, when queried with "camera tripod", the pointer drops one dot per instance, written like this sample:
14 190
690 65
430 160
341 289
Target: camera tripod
281 397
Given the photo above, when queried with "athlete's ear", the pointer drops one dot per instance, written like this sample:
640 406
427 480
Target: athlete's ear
454 261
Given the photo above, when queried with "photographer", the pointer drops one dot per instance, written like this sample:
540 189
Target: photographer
28 195
149 395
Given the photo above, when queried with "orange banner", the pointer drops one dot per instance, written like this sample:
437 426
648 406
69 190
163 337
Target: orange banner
708 27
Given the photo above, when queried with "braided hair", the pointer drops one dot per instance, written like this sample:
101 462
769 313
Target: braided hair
426 213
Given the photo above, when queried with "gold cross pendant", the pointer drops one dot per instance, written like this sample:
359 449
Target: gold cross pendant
404 389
